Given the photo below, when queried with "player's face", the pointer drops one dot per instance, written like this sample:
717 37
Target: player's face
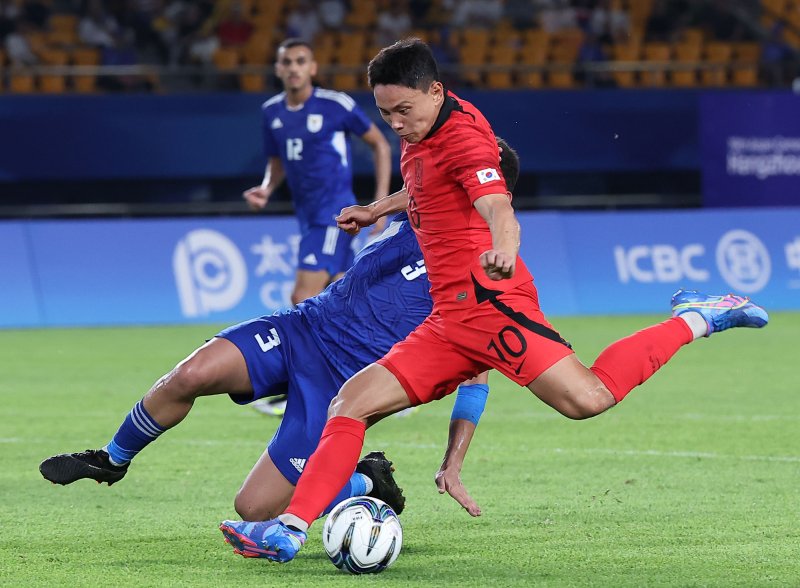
410 112
295 67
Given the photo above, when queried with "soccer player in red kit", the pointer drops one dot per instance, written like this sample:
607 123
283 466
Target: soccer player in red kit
485 308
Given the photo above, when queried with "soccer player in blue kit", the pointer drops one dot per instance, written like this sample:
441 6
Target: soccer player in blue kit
307 353
306 141
306 133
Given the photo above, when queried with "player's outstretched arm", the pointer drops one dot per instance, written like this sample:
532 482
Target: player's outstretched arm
258 196
500 261
382 159
353 218
467 410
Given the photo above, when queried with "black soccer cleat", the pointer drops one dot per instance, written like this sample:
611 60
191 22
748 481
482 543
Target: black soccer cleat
93 464
377 468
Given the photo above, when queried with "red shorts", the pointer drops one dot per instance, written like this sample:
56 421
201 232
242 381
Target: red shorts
508 333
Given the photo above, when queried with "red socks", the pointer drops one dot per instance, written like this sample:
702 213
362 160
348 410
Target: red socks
630 361
329 468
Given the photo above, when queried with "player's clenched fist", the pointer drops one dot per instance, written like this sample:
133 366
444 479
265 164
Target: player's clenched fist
498 265
257 197
352 218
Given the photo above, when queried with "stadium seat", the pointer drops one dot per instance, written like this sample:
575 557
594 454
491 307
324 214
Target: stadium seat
258 49
718 55
226 58
687 56
745 66
627 53
85 56
533 60
52 84
747 52
252 83
659 56
474 38
472 59
21 83
362 15
692 36
501 56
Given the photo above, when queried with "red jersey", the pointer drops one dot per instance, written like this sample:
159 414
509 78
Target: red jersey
444 174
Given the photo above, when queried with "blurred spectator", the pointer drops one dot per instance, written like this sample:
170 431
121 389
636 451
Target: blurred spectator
332 14
666 19
777 58
420 13
97 27
557 15
393 23
8 15
18 49
303 21
477 13
716 19
233 29
609 23
35 12
591 52
521 13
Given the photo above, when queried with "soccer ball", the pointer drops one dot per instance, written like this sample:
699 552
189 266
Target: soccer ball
362 535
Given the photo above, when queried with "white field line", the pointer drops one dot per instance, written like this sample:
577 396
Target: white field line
680 454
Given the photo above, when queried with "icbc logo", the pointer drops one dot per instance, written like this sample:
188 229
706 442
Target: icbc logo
659 263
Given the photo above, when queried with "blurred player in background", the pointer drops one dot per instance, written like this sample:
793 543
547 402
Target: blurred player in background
308 353
486 311
306 141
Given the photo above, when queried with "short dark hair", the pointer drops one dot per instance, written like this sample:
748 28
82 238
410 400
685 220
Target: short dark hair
295 42
409 63
509 164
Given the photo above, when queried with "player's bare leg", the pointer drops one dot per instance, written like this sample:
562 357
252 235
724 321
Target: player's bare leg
216 368
579 392
265 493
370 395
572 389
309 283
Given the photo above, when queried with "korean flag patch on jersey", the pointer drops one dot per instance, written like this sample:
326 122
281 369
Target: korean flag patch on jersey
488 175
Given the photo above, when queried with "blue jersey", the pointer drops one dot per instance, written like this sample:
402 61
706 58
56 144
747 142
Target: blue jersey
378 302
313 144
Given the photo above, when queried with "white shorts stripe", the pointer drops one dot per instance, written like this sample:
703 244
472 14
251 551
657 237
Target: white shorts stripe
331 235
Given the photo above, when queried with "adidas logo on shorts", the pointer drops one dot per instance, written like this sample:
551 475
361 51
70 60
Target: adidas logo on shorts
298 462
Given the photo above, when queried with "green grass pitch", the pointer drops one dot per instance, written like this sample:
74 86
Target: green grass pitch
694 480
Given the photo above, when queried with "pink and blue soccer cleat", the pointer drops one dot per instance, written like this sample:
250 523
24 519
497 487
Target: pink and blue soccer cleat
270 540
720 312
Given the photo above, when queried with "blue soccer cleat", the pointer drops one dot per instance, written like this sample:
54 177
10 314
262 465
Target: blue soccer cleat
720 312
270 540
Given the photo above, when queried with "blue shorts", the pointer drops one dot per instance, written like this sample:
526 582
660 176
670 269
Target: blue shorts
325 248
283 358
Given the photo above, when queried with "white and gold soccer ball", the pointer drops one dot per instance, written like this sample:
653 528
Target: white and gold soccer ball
362 535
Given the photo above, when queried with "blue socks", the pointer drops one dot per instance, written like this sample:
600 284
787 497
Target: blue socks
137 431
359 485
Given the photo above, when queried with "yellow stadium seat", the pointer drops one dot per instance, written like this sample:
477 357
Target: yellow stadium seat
52 84
719 56
687 55
252 83
226 58
625 54
659 55
21 83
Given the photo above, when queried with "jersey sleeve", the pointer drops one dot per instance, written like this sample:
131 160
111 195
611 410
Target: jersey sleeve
356 121
473 160
270 144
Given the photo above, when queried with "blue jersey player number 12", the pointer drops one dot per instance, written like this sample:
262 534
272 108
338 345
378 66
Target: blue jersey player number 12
306 141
